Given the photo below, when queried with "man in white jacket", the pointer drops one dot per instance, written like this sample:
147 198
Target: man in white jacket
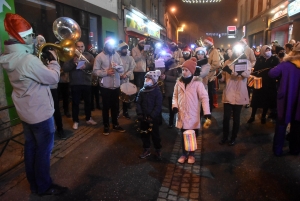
139 56
31 95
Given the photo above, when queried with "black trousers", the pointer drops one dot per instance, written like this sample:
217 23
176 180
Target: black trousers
56 115
139 78
184 152
171 114
210 90
95 96
125 107
79 91
236 109
154 135
63 91
110 100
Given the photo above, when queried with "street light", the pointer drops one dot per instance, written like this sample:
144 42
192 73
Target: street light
179 29
173 9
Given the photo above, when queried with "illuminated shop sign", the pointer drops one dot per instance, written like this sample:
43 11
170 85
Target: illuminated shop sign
294 8
141 24
279 14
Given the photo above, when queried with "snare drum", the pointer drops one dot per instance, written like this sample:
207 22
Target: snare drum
128 92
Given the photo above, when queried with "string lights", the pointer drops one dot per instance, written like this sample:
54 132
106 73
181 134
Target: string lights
201 1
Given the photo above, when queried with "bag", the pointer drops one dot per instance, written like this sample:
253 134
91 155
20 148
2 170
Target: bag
190 141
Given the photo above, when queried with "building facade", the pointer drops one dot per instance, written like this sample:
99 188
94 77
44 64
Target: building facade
264 21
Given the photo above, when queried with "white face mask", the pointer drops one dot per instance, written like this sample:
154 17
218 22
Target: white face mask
148 83
268 54
187 76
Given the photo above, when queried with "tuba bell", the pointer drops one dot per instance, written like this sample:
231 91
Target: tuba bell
68 32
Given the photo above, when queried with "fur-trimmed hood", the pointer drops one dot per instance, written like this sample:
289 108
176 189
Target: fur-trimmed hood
293 59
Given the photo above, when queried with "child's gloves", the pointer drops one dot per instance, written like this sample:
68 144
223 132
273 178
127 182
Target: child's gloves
149 119
140 117
175 110
207 122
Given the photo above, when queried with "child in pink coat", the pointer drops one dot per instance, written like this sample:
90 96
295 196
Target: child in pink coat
189 92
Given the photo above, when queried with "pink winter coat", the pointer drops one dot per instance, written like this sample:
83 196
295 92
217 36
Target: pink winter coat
188 100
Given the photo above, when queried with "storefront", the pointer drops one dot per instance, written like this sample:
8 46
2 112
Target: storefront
94 28
294 15
280 25
255 32
138 26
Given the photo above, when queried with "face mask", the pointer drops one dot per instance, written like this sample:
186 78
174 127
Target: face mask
186 76
281 54
268 54
148 84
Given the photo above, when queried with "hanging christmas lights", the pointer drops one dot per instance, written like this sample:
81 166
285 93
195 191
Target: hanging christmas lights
201 1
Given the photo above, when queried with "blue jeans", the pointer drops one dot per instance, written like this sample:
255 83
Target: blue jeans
39 139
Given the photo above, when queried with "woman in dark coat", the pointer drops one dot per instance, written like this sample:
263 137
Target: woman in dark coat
170 77
265 97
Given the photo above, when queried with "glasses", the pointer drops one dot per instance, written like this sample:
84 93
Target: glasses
32 35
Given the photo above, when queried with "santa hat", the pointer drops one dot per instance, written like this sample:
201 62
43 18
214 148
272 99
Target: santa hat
90 47
203 49
153 75
142 41
186 49
190 65
122 45
17 27
244 41
109 40
209 40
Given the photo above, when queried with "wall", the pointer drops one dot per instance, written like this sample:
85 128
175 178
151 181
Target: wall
109 25
110 5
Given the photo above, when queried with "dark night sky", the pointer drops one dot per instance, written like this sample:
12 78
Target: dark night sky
209 17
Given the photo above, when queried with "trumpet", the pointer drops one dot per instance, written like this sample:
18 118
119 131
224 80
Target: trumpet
199 42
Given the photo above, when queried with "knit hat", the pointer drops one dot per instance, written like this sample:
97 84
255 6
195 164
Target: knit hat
191 65
203 49
90 47
109 40
153 75
296 47
122 45
209 40
17 27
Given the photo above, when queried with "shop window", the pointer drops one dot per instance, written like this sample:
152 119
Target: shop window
93 35
40 14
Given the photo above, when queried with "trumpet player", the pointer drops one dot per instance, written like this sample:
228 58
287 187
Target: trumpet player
80 81
108 66
32 98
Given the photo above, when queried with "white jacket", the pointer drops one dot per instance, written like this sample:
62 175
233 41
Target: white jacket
188 100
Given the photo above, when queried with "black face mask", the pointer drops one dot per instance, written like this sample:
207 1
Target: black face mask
281 54
140 47
123 53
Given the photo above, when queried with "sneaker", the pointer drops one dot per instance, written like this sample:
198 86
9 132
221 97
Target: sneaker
191 160
61 134
106 130
54 189
247 106
158 154
75 125
223 141
145 154
251 120
118 128
91 122
182 159
126 115
231 143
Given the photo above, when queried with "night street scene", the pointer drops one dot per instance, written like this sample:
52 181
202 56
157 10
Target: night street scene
150 100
